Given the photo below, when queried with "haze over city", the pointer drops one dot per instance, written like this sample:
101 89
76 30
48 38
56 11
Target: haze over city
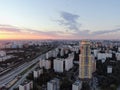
63 19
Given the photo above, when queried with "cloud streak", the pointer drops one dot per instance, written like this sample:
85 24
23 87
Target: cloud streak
12 30
105 31
69 20
88 33
9 28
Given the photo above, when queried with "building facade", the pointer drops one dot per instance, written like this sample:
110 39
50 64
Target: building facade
37 72
77 85
28 85
53 84
86 62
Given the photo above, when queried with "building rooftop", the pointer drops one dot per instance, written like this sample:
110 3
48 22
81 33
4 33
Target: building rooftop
25 82
77 82
85 42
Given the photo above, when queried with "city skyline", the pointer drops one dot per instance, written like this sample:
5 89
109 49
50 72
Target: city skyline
78 19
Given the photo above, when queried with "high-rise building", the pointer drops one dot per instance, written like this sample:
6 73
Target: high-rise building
86 61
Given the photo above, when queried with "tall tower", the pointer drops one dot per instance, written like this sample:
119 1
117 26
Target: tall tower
86 61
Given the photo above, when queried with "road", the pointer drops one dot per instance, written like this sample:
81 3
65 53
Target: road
23 78
11 75
5 79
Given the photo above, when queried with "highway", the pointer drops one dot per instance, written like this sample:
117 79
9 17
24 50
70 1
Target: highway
5 79
11 75
23 78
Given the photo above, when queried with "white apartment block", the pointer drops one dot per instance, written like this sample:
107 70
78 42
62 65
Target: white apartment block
48 54
58 65
75 49
26 85
66 51
118 56
45 63
101 56
53 84
118 49
62 52
54 54
77 85
61 65
2 53
4 58
109 69
95 52
69 62
37 72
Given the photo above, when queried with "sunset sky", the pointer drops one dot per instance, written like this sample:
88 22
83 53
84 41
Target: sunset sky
59 19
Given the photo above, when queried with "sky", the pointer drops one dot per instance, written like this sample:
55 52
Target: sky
59 19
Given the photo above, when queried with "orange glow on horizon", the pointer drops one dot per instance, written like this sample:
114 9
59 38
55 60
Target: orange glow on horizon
17 36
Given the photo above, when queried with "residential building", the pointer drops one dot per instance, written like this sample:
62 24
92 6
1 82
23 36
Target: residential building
45 63
53 84
109 69
77 85
86 62
27 85
37 72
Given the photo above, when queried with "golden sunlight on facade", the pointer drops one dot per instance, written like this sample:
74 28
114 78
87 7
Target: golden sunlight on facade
87 62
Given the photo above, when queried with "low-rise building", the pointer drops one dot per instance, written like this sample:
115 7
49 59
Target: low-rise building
27 85
109 69
4 58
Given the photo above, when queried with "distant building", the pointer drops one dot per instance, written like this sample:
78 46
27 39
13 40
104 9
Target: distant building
77 85
47 64
86 62
54 53
27 85
2 53
118 49
75 49
118 56
102 56
48 55
53 84
95 52
4 58
62 52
